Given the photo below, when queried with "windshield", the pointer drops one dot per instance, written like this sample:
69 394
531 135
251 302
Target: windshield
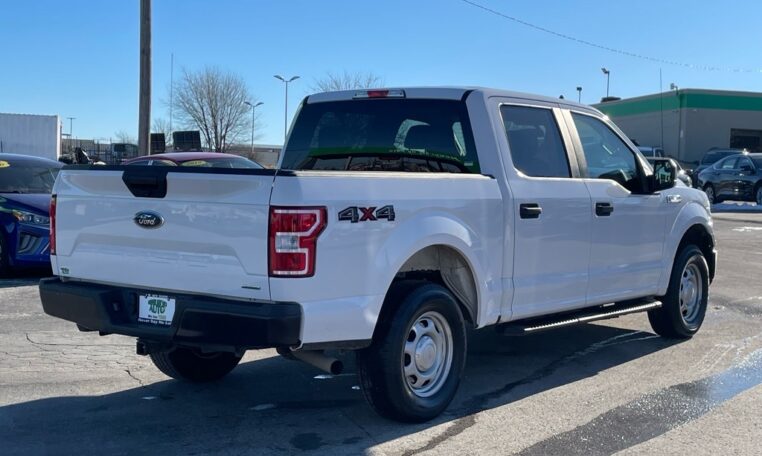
35 178
226 162
382 135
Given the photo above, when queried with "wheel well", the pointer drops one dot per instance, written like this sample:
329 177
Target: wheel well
442 265
700 237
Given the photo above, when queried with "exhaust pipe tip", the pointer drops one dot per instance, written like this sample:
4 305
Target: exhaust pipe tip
337 367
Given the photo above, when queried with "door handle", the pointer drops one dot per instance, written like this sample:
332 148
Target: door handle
530 210
674 199
603 209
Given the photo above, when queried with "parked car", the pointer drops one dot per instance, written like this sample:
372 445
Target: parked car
711 157
738 177
25 187
651 151
682 175
198 159
394 223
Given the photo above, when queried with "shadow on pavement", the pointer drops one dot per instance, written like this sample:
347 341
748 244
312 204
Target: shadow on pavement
276 406
24 277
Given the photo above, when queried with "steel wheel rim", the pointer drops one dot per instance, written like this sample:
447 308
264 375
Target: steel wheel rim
691 293
710 194
427 354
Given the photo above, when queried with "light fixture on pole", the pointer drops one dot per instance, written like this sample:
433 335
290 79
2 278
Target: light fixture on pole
579 94
673 86
608 77
259 103
285 117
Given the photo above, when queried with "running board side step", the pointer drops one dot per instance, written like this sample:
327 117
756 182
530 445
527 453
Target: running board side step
538 324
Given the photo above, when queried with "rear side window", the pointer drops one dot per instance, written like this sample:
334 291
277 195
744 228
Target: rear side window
382 135
536 146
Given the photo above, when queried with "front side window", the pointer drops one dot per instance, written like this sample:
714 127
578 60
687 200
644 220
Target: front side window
607 156
382 135
537 149
728 163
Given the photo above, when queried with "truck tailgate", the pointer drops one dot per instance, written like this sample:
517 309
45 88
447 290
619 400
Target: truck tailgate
211 238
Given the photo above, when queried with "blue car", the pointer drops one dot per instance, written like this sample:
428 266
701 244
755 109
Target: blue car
26 184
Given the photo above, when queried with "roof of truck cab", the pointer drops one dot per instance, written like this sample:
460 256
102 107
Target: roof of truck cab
448 93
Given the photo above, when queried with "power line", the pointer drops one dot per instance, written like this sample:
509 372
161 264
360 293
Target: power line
609 48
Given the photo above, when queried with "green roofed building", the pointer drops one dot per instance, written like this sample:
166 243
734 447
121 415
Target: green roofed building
688 122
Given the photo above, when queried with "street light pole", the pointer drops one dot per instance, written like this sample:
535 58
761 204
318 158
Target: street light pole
579 94
608 77
252 123
71 123
285 117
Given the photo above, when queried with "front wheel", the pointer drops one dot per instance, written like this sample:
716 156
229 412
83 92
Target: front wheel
710 194
413 368
758 195
684 306
184 363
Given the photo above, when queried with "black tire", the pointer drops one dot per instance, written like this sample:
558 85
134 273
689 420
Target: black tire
381 366
754 194
5 264
184 363
714 199
670 320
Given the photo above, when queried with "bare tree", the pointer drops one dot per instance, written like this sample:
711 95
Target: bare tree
346 81
212 101
124 137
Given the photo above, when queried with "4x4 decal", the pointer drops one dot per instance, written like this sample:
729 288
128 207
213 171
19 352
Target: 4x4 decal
356 214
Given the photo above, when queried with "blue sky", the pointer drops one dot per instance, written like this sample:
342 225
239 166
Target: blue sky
80 58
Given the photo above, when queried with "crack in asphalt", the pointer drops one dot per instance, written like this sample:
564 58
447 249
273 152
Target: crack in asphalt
140 382
478 402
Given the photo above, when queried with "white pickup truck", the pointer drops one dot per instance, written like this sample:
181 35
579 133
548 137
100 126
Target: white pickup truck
396 219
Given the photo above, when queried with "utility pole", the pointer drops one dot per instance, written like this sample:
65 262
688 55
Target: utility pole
171 89
252 123
144 114
285 117
579 94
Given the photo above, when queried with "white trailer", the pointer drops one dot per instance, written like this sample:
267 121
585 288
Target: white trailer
30 134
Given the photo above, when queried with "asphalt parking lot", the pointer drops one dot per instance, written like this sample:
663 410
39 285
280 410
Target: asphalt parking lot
595 389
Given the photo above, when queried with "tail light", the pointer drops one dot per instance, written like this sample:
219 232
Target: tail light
293 240
53 225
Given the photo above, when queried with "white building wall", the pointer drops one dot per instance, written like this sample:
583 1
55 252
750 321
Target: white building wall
27 134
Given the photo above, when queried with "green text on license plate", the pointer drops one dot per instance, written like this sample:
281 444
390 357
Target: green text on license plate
156 309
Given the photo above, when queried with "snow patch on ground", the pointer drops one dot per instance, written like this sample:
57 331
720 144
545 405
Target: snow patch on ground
732 206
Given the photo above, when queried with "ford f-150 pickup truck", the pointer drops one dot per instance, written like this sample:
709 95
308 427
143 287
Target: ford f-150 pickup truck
396 219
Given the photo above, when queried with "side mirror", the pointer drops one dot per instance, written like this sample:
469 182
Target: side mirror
664 175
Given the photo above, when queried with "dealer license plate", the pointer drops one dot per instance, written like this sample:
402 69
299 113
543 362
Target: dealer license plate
156 309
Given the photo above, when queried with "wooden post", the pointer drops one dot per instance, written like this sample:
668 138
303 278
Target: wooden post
144 114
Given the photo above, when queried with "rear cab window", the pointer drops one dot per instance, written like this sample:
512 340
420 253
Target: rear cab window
537 149
412 135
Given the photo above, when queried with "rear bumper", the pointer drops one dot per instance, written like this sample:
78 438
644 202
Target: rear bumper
202 321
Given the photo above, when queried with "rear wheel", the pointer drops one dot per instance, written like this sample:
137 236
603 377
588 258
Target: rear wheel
758 194
414 365
684 306
184 363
